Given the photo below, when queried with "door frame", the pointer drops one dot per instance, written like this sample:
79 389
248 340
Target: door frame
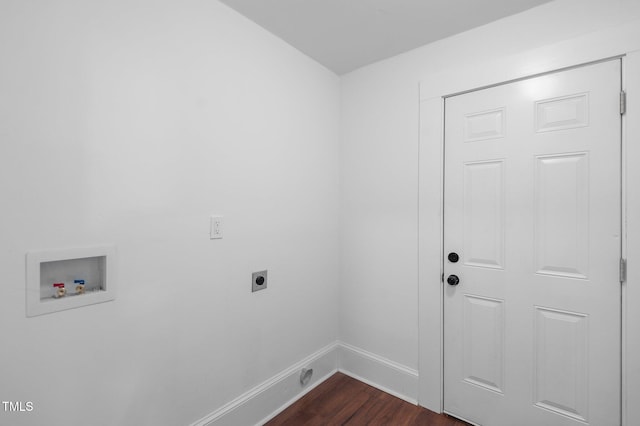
621 42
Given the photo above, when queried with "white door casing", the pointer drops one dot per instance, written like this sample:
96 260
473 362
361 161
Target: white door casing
532 206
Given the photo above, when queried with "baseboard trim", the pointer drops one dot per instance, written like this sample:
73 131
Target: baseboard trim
256 406
379 372
265 401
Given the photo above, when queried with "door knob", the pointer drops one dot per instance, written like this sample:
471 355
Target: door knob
453 280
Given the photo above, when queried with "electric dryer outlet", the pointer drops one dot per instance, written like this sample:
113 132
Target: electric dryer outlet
258 281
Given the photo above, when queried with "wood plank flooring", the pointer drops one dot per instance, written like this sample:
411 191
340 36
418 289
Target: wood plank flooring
342 400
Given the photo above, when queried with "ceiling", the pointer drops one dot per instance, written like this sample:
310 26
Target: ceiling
344 35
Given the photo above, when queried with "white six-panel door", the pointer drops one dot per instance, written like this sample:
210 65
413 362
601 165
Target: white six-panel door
532 208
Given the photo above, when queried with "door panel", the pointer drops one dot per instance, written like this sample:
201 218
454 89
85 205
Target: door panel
562 215
484 227
560 365
532 206
484 342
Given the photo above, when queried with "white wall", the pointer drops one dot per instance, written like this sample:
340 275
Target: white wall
380 148
129 123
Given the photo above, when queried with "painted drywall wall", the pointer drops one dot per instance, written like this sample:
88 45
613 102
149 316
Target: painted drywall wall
130 123
380 149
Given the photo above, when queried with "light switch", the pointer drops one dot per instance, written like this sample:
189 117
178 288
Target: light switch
215 231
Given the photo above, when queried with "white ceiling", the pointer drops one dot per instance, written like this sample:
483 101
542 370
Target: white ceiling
347 34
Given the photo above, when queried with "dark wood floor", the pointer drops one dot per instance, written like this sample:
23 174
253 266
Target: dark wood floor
341 400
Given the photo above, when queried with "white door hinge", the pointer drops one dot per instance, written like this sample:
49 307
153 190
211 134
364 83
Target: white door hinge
623 102
623 270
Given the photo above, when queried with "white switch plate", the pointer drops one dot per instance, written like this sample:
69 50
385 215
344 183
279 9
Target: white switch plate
215 231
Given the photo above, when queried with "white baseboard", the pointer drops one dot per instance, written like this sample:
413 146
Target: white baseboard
265 401
386 375
268 399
